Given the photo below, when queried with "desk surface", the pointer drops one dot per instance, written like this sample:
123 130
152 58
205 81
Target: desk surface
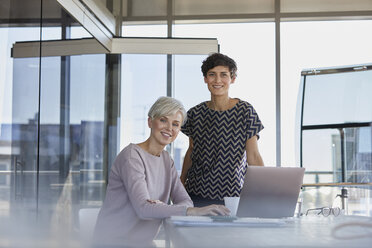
298 232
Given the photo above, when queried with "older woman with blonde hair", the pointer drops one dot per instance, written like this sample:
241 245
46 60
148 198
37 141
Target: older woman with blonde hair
143 181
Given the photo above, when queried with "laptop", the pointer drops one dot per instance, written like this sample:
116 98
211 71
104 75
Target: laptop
270 192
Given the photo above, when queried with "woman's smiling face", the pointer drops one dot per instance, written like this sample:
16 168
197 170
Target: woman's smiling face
165 129
218 80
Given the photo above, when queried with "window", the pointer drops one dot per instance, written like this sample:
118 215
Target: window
144 79
251 45
307 45
336 124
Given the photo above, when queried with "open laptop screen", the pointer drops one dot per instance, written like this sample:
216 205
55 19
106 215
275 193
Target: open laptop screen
270 192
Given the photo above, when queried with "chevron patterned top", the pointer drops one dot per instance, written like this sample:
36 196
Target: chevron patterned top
218 155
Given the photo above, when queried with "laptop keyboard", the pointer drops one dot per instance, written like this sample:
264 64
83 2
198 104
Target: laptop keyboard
223 218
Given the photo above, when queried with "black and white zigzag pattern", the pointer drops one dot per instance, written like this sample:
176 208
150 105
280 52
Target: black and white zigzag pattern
218 157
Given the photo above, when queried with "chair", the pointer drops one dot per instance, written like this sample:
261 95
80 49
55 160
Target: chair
87 222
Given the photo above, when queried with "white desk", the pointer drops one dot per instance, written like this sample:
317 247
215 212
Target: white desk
302 232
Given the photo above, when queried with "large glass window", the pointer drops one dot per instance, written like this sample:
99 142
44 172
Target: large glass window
18 106
321 156
51 141
306 45
24 136
144 79
87 101
69 148
251 45
336 124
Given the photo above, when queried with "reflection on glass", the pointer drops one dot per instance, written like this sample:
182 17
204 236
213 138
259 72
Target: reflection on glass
358 154
87 94
324 156
69 148
49 141
24 136
22 189
19 79
87 88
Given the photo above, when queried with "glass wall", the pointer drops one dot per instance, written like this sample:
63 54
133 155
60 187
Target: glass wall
18 128
51 130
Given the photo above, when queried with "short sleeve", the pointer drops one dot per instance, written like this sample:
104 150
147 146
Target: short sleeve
254 124
187 127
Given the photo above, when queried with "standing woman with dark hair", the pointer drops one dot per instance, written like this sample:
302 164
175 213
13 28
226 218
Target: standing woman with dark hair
223 134
142 181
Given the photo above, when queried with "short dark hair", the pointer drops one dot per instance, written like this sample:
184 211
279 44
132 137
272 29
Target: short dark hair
219 59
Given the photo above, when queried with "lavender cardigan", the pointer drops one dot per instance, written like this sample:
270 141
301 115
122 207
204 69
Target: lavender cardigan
126 218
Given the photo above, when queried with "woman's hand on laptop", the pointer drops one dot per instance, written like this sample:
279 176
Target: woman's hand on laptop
212 210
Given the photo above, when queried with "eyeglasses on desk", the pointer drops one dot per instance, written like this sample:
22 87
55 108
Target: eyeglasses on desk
325 211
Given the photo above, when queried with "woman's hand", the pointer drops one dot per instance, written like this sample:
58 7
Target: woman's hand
154 201
209 210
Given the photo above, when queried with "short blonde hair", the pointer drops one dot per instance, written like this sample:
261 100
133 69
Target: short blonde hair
166 106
